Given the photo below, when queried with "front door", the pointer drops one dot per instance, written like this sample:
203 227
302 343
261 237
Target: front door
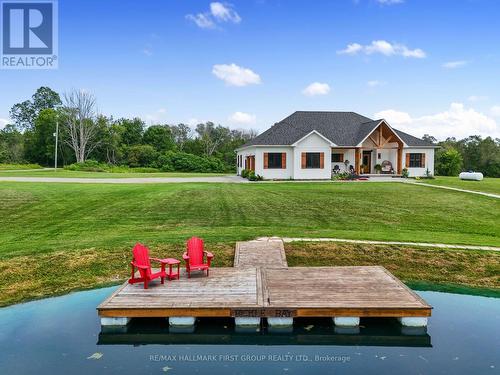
367 162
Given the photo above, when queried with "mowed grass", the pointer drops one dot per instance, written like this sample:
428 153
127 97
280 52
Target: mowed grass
82 174
38 217
487 185
443 268
55 238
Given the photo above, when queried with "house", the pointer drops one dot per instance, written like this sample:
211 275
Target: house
313 145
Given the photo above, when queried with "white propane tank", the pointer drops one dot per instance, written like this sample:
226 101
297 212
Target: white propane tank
476 176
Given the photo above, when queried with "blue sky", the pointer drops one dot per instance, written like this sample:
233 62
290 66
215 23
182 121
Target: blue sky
426 66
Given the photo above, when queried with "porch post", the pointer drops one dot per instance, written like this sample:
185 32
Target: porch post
356 162
400 158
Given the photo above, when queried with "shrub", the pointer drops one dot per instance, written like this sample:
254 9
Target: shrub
378 168
184 162
341 176
254 177
449 163
244 173
142 156
88 166
405 173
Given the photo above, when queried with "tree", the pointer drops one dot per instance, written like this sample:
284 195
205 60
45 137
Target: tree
39 141
11 145
80 123
160 137
429 138
131 131
25 113
181 134
449 163
212 136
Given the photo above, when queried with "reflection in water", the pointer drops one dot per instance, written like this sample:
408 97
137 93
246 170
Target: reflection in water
372 332
63 336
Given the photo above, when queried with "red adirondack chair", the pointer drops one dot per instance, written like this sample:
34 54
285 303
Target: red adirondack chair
142 261
195 256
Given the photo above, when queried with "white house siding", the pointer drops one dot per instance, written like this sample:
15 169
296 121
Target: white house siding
349 154
312 143
429 161
244 153
272 173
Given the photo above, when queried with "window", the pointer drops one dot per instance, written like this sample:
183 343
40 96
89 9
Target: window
274 160
337 158
416 161
313 160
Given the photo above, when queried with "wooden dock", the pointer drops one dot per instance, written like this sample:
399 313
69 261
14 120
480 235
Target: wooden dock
256 288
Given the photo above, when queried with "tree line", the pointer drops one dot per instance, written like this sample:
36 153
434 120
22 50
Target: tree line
473 153
92 139
89 138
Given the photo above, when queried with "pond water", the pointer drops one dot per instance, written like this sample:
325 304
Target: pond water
63 336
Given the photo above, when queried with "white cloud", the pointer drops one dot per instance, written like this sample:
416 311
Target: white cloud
457 121
454 64
202 20
375 83
3 122
477 98
242 118
157 116
224 13
495 111
234 75
390 2
351 49
316 88
383 47
218 13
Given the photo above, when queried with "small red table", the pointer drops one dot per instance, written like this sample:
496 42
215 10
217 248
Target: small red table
171 262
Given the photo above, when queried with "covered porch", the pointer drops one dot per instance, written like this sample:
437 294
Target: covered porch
380 153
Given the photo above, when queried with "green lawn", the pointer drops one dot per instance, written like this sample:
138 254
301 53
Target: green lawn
60 237
487 185
81 174
9 167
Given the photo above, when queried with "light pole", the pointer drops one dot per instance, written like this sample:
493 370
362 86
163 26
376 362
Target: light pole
56 134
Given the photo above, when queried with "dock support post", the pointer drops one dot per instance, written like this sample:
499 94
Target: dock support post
181 321
280 322
346 321
114 322
413 321
247 322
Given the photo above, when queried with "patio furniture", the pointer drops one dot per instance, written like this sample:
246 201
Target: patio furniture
171 275
197 259
351 169
336 169
387 167
142 261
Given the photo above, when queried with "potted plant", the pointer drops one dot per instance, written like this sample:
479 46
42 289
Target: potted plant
378 168
363 167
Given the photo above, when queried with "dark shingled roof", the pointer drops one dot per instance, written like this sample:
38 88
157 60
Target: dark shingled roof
341 128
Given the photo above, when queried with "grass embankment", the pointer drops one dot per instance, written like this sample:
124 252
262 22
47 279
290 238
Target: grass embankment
436 269
487 185
57 238
82 174
13 167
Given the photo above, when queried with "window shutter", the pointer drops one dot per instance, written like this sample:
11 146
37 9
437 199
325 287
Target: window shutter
322 160
407 160
283 160
342 158
303 163
266 160
423 161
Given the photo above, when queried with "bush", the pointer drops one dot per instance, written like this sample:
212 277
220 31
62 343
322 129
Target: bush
405 173
142 156
449 163
184 162
244 173
88 166
254 177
